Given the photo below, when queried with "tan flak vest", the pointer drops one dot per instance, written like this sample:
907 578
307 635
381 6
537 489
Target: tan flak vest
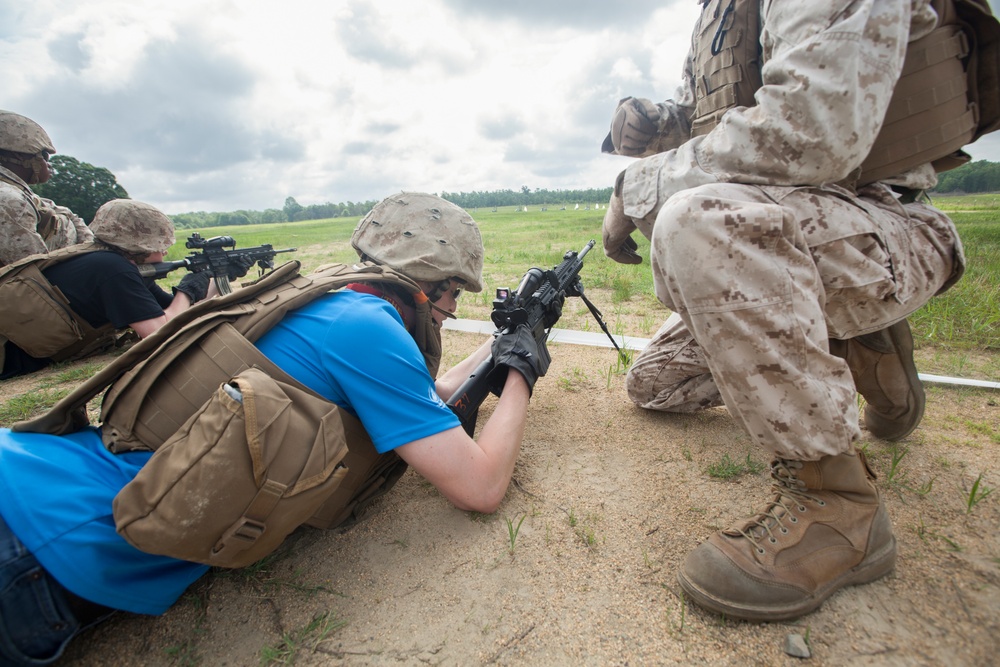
244 454
37 316
46 224
947 96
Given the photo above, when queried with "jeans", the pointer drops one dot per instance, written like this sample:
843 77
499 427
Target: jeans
36 616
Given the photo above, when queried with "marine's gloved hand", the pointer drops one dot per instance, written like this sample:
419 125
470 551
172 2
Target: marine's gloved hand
634 125
519 350
195 285
239 267
616 232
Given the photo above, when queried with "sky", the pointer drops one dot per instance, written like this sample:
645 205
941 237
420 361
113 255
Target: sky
219 105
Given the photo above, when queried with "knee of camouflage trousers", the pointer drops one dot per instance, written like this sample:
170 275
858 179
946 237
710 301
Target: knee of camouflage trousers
671 373
734 264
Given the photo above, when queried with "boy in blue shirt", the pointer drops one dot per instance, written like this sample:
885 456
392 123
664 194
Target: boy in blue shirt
64 567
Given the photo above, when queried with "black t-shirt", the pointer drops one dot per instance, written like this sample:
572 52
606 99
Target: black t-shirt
105 287
101 287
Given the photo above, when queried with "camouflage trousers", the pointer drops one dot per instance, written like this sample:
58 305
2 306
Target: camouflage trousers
759 278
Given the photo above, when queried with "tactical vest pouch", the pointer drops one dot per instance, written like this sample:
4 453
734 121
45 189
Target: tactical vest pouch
36 315
250 466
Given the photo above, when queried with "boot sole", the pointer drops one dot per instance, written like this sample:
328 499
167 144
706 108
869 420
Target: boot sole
874 567
884 429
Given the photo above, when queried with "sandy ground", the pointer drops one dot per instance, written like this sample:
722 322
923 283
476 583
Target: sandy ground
608 500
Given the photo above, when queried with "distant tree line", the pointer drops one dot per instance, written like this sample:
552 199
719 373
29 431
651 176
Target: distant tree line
84 188
978 176
528 197
293 211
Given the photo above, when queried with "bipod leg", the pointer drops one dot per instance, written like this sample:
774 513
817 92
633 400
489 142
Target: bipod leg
604 327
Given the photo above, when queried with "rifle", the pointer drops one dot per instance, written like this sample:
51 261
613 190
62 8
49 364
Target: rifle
215 258
537 302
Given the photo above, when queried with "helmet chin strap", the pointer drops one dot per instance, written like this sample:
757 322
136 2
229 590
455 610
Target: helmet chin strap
436 295
444 312
36 168
33 162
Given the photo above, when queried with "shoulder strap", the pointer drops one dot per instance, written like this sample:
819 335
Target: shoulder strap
727 61
48 259
145 407
69 414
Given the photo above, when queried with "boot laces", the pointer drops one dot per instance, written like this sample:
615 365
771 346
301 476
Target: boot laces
790 495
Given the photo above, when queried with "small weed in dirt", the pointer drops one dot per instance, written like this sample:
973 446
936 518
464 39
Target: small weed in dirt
727 468
925 533
895 476
587 532
74 375
924 489
572 380
186 653
261 575
622 363
589 537
976 494
308 637
512 532
678 627
26 406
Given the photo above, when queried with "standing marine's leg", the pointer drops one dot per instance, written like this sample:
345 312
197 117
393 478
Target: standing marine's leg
763 277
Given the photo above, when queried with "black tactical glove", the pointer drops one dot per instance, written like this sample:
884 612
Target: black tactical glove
239 267
195 285
518 350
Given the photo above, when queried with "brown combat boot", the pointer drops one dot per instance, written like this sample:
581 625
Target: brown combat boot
884 373
825 528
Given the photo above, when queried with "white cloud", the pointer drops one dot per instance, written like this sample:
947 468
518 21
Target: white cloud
227 104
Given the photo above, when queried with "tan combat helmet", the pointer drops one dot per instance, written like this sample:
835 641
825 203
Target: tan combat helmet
20 134
133 226
423 237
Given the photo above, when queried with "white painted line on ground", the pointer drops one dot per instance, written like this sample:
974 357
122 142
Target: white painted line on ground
629 342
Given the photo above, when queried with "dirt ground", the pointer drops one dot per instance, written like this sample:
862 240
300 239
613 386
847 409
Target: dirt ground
579 564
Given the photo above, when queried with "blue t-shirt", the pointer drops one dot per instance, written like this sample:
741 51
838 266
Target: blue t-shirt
57 490
352 349
57 493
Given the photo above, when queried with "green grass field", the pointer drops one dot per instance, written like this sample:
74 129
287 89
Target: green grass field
966 318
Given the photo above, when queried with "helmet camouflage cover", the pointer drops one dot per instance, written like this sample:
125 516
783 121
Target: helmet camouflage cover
423 237
133 226
23 135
